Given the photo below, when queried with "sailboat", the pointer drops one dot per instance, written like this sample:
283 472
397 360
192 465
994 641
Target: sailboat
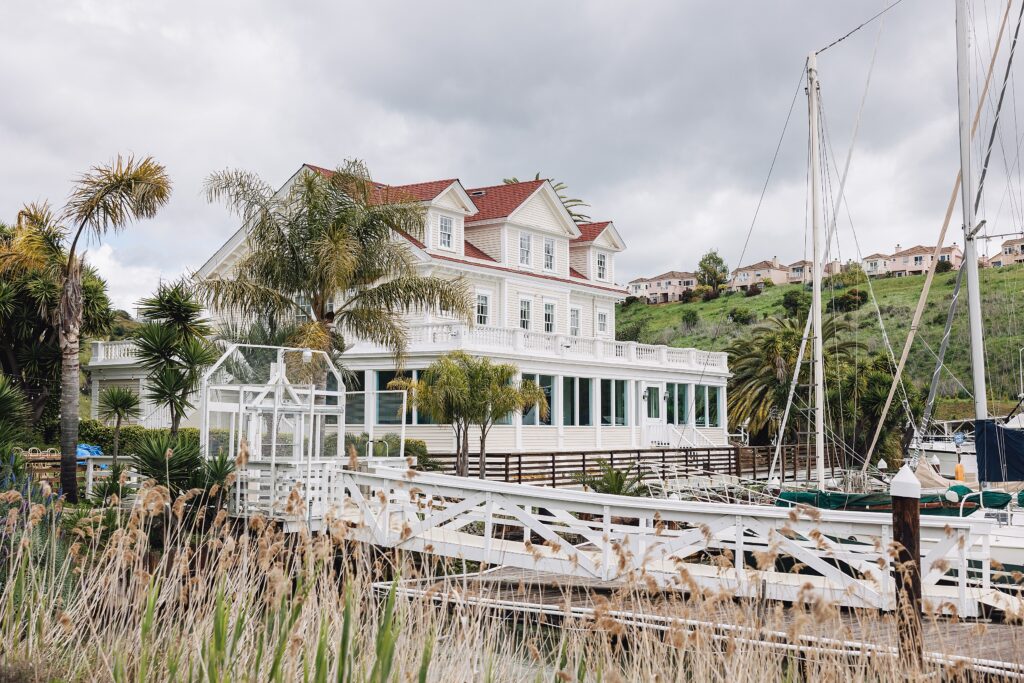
999 446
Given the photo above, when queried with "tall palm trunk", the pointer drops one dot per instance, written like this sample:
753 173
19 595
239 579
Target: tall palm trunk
482 462
117 438
70 327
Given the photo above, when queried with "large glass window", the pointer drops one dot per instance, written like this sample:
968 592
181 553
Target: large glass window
653 403
614 402
700 406
714 419
389 402
584 401
355 404
547 385
568 400
676 403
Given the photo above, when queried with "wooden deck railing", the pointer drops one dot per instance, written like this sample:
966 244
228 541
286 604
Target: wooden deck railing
566 467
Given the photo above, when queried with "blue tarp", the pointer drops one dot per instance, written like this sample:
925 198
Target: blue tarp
87 451
1000 451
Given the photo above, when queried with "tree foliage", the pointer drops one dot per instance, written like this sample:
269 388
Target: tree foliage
324 252
118 404
712 271
469 391
172 345
33 255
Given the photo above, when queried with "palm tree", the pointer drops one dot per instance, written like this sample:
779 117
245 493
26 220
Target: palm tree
464 391
612 481
571 204
762 364
325 250
33 255
13 417
118 404
172 346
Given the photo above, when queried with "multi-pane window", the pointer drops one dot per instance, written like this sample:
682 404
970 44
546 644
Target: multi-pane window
602 266
524 314
613 402
524 249
355 401
549 317
602 322
576 401
549 254
547 384
574 322
389 401
483 309
445 225
707 406
676 403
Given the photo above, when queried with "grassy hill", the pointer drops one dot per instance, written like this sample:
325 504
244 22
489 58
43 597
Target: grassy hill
1002 306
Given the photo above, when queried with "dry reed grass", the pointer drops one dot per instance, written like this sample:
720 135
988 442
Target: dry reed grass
227 601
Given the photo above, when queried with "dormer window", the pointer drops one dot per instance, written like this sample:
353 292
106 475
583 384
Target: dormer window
602 267
445 227
524 249
549 254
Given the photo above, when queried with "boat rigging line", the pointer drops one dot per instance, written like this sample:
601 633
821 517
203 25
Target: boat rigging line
862 25
930 276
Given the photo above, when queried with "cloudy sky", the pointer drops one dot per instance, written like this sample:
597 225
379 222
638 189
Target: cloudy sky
663 114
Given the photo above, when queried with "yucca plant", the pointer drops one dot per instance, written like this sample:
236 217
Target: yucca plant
171 462
613 481
118 404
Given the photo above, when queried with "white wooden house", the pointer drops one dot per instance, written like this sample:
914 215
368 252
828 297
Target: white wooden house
545 293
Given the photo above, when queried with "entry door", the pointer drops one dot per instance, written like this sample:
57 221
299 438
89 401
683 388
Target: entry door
652 403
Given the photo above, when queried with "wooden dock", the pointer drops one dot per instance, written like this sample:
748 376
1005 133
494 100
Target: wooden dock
984 647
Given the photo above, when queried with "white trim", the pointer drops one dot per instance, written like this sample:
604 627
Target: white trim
529 250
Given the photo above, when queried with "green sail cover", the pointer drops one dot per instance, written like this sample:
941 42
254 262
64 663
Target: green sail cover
931 504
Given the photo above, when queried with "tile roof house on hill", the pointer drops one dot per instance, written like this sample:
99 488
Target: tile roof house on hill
917 259
663 288
1011 251
543 295
756 273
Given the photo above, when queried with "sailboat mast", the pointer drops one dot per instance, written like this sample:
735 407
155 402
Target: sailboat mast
963 65
817 359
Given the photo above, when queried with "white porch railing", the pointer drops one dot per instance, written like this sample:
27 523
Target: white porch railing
485 339
676 436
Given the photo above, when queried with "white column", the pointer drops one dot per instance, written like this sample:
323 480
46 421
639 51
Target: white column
597 414
370 405
723 414
691 406
557 415
631 410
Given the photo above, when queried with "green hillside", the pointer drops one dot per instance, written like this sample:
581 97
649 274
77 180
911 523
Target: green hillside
1002 305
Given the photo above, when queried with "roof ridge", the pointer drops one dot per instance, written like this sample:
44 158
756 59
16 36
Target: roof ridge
491 187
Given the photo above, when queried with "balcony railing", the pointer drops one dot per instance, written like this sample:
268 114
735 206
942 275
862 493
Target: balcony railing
486 339
453 336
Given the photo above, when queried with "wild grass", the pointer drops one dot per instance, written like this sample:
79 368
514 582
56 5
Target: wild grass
228 600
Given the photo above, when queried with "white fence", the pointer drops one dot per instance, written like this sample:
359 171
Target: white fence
743 550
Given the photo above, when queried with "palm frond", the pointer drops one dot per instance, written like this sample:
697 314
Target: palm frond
109 197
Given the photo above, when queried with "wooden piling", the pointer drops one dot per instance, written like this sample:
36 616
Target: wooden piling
906 534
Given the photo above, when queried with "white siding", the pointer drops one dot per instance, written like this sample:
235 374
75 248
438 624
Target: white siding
586 305
538 212
434 239
487 239
579 259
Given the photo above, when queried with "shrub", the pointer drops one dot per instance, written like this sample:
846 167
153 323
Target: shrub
630 331
631 300
752 290
690 318
796 303
687 295
766 284
850 301
944 267
742 316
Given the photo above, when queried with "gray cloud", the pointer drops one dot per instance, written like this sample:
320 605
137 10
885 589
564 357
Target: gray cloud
663 115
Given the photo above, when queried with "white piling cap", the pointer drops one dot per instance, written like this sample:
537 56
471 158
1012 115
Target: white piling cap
905 484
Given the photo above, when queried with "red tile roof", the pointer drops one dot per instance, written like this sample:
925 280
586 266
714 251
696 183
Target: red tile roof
476 252
499 201
590 231
414 192
575 273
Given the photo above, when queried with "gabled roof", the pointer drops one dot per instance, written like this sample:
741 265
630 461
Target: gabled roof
412 192
590 231
761 265
878 255
914 250
575 273
640 279
673 275
1013 242
499 201
796 264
